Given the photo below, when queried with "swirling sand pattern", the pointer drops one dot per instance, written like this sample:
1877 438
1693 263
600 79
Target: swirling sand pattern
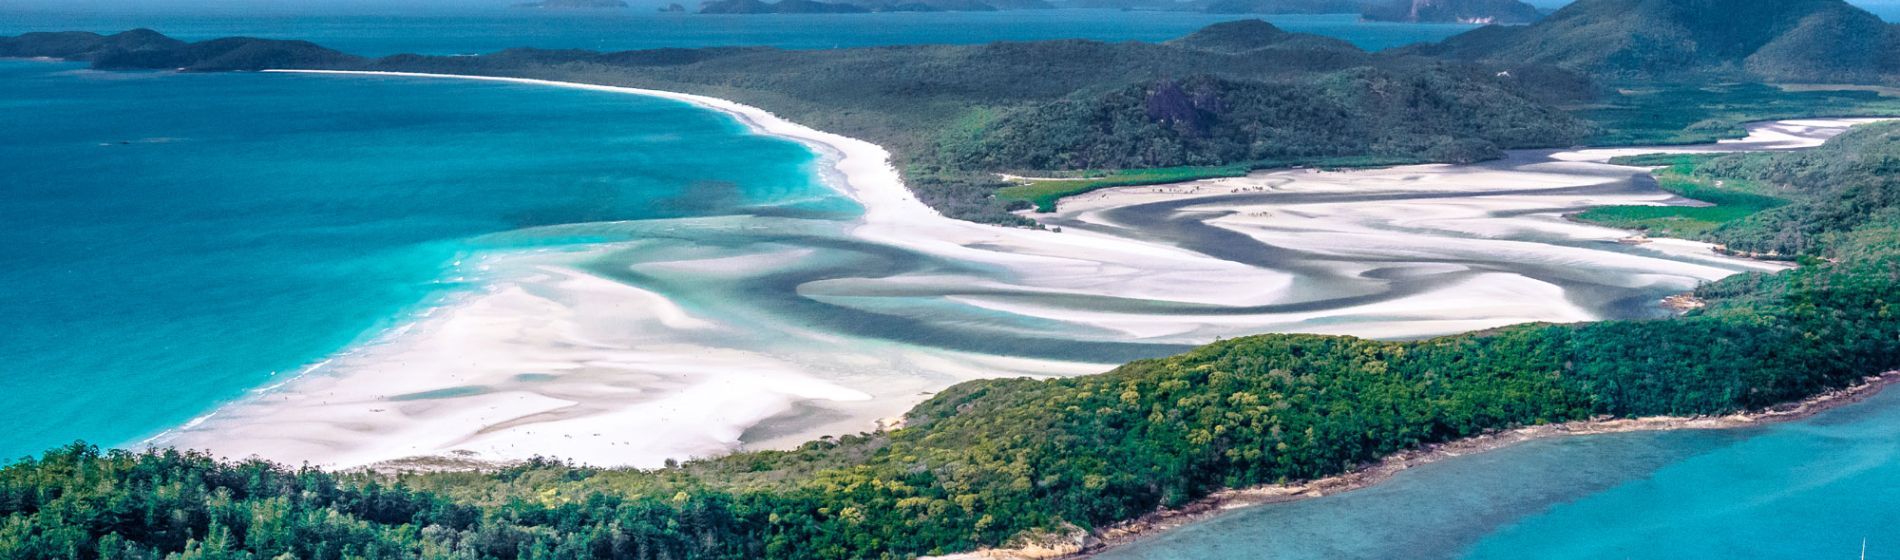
693 337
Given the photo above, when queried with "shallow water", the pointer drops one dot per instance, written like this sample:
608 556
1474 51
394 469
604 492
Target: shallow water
473 266
1808 489
177 240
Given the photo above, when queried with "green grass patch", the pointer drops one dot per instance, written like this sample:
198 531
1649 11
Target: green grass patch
1732 200
1699 114
1043 193
1677 163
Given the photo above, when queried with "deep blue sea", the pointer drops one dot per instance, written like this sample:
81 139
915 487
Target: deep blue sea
176 240
483 30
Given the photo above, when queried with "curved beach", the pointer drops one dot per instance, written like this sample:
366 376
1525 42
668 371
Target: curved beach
615 356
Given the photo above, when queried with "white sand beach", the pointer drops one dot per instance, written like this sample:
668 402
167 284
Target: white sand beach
563 356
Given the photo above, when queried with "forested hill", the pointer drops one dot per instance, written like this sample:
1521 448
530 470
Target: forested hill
991 463
1249 35
935 106
954 115
145 49
1228 97
1206 121
1818 41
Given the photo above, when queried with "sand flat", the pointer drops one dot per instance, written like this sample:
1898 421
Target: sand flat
742 333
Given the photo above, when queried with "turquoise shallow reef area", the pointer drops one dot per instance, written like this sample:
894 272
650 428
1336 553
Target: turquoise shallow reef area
240 227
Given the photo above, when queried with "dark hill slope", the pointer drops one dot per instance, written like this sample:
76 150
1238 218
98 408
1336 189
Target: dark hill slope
147 49
1775 40
1276 6
1387 114
953 115
81 45
1252 34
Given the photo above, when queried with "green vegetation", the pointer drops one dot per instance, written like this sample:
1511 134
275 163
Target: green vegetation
1232 94
1704 113
990 462
1207 121
955 115
1826 41
1730 200
1043 192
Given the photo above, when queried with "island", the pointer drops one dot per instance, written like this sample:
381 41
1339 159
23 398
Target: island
1501 12
1274 6
574 4
864 6
993 133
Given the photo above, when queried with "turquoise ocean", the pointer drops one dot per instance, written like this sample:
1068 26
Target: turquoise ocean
179 241
186 239
1809 489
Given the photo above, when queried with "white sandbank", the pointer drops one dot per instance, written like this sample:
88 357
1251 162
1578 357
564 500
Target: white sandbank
1790 134
556 361
615 375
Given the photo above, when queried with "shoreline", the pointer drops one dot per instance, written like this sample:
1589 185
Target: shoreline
1076 546
863 168
617 348
342 419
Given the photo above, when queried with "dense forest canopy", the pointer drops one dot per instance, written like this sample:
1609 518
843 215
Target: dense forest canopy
1825 41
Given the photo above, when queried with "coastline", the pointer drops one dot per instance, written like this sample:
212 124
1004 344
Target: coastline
569 357
1080 545
864 172
412 398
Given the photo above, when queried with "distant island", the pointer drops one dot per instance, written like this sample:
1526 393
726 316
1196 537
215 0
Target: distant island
1505 12
1274 6
573 4
865 6
1414 11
